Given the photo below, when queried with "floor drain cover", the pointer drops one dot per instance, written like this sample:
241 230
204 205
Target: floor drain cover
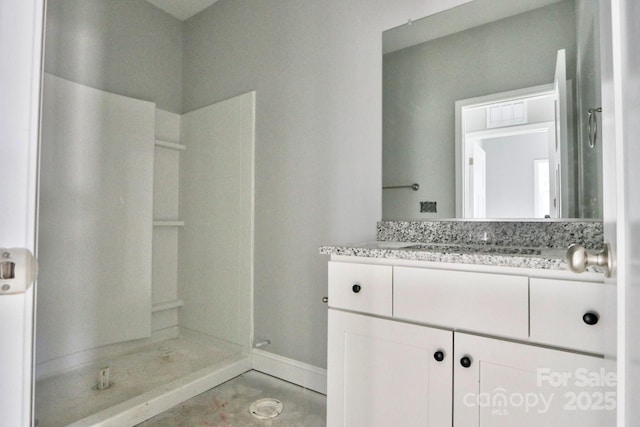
265 409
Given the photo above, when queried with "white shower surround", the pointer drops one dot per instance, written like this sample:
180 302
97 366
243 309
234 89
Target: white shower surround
216 240
96 203
215 268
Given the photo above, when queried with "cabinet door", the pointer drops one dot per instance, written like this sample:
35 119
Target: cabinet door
385 373
509 384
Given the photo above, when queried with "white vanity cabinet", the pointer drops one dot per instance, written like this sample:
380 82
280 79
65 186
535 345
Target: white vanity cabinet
421 346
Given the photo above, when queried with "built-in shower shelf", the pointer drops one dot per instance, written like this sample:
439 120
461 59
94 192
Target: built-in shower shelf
170 145
161 306
168 223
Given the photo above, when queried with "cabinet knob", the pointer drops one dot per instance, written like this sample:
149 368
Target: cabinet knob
465 361
356 288
325 299
590 318
439 355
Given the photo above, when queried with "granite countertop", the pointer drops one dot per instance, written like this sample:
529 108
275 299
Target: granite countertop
504 256
541 245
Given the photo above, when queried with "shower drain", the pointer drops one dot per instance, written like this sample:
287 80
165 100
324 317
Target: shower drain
265 409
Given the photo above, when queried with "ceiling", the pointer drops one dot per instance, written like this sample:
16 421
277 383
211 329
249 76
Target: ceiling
182 9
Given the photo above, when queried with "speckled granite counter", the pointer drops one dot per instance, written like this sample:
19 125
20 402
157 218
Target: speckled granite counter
550 259
537 245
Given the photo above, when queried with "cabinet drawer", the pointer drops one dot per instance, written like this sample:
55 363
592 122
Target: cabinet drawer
361 287
490 303
557 311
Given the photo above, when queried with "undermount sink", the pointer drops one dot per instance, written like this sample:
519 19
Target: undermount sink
503 250
388 245
489 249
470 249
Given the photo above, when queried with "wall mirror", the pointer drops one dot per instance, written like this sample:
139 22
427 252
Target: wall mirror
492 109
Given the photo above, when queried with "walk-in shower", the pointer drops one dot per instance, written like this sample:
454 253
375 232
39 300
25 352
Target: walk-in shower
145 231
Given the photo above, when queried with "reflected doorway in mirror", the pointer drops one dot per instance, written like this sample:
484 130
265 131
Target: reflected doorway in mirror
497 153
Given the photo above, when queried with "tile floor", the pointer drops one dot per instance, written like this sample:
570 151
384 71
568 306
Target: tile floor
228 405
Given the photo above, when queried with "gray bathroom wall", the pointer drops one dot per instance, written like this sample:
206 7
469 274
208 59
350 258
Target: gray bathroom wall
316 67
126 47
317 71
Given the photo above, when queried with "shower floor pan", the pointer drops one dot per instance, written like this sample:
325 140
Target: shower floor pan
144 382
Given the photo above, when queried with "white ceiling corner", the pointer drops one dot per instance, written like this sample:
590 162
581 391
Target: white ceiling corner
182 9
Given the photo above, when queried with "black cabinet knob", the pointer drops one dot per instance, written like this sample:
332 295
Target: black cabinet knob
356 288
439 355
590 318
465 361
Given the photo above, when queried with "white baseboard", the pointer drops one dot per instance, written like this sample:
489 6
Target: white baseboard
299 373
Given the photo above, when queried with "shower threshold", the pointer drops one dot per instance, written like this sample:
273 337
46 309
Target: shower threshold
144 382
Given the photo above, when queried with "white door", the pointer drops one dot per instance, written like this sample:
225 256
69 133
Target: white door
479 181
557 145
21 24
621 153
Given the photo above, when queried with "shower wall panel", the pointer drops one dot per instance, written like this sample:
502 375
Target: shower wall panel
215 269
96 201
